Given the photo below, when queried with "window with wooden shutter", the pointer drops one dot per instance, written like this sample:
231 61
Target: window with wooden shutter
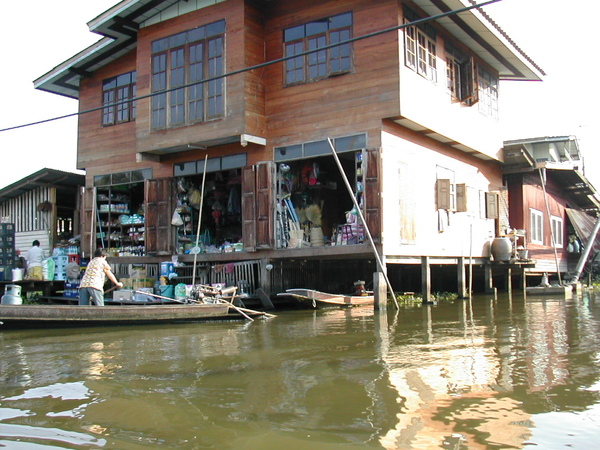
491 206
461 198
443 194
469 82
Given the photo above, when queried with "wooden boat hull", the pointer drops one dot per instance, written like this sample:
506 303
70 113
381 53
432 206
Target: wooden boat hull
564 291
74 315
318 298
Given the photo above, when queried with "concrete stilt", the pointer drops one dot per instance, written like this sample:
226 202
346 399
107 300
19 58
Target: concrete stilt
380 291
425 279
462 281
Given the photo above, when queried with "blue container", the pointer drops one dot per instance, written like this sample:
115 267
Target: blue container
167 291
166 267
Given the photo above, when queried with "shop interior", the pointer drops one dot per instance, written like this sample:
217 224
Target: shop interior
120 219
221 221
314 207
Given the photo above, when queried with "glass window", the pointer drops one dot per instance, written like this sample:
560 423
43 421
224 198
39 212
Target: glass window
212 165
127 177
233 161
557 231
185 60
312 36
117 95
488 93
420 52
536 227
317 148
289 152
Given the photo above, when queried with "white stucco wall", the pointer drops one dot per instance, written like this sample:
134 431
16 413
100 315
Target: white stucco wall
411 221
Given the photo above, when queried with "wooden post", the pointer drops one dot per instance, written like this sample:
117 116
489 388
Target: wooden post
523 279
509 280
425 279
264 275
489 280
380 292
462 282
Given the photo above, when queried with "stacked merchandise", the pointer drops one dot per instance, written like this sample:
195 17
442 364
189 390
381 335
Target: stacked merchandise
60 264
7 250
67 268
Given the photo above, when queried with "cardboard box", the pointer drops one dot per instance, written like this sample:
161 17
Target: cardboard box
123 295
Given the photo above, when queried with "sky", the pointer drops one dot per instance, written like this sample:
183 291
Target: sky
37 35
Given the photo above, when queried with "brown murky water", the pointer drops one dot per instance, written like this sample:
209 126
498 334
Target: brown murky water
505 373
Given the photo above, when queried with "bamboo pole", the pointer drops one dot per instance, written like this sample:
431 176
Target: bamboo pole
197 248
364 222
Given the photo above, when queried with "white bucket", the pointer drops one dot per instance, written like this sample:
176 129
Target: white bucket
316 237
17 274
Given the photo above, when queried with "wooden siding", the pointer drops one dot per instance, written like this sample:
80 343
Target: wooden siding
345 104
526 193
111 148
243 92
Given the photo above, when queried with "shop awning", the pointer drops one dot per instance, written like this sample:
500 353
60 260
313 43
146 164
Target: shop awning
584 225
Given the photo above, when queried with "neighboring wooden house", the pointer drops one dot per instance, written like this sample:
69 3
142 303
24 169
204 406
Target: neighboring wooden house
412 112
43 206
551 200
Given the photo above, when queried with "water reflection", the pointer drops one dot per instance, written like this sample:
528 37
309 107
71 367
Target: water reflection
503 372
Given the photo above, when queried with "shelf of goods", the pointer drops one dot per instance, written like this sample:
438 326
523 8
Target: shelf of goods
119 231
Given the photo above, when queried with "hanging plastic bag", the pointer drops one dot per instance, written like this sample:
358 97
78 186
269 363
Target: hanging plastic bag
176 220
195 197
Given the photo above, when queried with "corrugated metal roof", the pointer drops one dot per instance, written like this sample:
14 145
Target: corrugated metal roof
65 182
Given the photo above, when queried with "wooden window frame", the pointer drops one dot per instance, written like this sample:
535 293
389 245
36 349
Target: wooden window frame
318 64
487 92
190 57
557 226
420 47
115 93
536 227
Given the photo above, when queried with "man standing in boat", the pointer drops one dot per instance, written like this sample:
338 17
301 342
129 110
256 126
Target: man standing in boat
92 283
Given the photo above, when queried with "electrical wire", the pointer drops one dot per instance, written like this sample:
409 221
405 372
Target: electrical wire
261 65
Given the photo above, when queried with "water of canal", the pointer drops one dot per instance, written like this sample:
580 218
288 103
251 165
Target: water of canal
486 373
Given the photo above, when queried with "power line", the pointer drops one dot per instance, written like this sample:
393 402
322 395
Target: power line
259 66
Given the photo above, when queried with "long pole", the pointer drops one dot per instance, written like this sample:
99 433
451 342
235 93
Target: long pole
364 222
197 248
471 261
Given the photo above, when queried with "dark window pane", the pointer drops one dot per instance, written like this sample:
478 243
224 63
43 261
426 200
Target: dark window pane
120 178
196 34
349 143
341 21
102 180
287 153
215 28
292 34
160 46
212 165
233 161
177 40
317 27
186 168
316 148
